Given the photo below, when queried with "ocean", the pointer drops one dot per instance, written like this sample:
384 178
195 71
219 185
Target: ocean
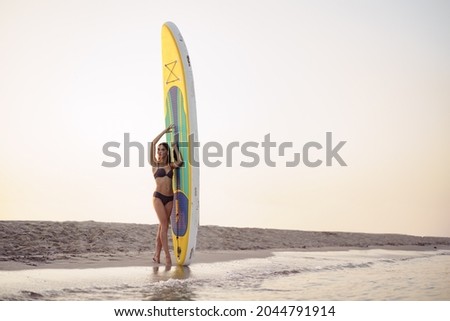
353 275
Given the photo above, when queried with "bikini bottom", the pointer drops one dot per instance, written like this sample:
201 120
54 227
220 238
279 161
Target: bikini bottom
164 199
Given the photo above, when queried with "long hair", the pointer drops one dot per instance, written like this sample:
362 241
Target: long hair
166 146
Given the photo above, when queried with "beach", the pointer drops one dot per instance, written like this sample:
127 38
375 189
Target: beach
71 244
85 261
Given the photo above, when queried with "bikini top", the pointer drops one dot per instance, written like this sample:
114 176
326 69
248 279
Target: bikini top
161 172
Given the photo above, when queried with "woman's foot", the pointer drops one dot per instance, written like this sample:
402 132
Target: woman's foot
156 259
168 261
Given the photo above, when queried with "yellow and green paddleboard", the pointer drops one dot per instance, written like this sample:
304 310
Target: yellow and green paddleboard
179 109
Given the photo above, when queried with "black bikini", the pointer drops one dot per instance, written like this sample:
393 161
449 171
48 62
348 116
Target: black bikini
164 199
161 172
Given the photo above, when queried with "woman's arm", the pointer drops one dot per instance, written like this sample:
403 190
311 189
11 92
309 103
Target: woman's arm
179 160
154 142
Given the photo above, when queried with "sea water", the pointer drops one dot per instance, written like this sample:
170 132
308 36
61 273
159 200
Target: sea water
336 275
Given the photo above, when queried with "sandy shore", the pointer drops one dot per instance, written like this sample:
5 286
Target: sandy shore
39 244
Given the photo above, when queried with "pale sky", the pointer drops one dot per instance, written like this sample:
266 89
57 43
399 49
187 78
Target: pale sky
75 75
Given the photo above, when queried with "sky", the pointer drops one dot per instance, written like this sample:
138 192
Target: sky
75 75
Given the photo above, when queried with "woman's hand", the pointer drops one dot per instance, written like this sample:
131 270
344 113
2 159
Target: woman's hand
170 128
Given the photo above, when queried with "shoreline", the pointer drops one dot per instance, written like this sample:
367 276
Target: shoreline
80 245
143 259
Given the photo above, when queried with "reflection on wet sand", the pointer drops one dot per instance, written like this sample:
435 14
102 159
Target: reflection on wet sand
167 286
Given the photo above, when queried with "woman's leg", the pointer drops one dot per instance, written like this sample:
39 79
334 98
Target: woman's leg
168 209
156 258
163 226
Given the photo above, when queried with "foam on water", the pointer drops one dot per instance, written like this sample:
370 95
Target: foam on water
339 275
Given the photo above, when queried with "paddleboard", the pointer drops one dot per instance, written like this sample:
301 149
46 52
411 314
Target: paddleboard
179 109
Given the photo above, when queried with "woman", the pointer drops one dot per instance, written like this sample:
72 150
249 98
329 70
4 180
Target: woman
163 195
